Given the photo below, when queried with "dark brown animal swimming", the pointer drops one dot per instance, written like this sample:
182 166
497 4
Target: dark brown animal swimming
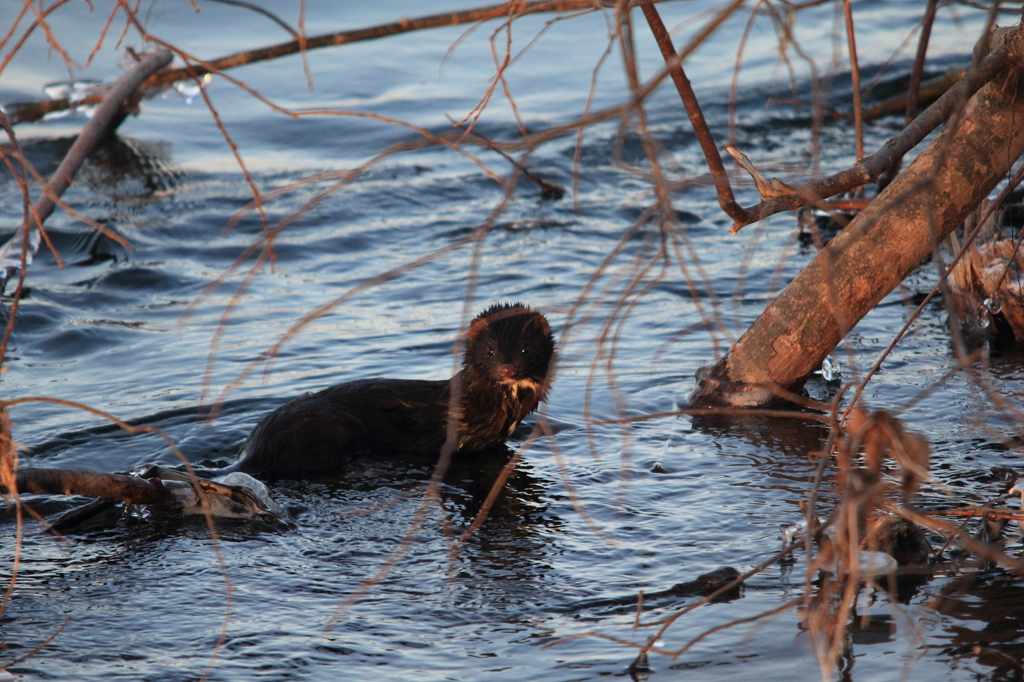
505 374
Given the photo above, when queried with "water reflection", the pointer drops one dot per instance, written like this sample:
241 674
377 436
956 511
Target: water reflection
795 438
122 168
130 169
989 613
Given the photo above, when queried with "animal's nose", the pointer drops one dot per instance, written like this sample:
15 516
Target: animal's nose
506 372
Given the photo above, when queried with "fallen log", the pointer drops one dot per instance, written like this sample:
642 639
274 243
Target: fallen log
879 248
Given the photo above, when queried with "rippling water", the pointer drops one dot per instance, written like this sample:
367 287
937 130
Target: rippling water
114 329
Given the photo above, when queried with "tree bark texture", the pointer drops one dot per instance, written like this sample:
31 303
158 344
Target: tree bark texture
879 248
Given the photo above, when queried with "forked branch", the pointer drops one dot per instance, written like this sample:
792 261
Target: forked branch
1008 53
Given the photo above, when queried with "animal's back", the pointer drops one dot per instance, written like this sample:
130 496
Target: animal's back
317 434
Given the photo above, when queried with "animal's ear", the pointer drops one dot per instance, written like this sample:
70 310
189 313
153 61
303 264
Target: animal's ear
476 327
541 323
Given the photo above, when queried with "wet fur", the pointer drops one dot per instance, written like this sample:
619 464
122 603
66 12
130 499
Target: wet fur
505 375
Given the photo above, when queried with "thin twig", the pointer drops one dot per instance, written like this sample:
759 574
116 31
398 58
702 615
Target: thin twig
36 110
726 199
977 512
1008 54
264 11
919 58
858 110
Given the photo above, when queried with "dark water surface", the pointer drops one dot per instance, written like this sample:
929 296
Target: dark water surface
147 599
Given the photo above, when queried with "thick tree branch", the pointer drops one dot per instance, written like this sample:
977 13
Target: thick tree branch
886 241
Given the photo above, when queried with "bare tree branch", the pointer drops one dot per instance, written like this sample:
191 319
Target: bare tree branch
512 9
726 199
1009 53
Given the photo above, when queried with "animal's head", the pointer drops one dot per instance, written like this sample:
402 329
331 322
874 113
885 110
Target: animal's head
510 344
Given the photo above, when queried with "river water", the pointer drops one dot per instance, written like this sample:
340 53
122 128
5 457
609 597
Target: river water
139 333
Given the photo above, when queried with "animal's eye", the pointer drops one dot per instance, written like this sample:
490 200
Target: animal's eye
490 351
523 350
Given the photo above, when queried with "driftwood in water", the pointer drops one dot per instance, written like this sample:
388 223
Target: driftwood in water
877 251
120 487
236 495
